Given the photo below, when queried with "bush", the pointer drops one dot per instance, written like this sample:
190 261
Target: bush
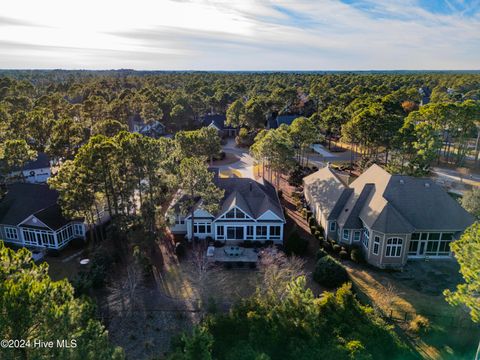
247 244
218 243
304 213
209 239
280 193
337 248
320 254
356 255
327 246
329 272
419 325
296 245
343 254
312 222
180 249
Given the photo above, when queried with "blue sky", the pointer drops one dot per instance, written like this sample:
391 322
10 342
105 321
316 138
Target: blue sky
241 34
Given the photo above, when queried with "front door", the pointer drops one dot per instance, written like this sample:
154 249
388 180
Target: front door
235 233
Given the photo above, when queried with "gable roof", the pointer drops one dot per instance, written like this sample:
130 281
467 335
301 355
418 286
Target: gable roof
398 204
286 119
250 196
217 120
327 190
52 217
23 200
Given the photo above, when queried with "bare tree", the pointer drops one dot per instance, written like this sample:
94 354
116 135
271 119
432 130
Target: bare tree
277 270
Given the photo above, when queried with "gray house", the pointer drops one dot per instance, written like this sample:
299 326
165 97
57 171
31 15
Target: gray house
31 217
392 218
249 211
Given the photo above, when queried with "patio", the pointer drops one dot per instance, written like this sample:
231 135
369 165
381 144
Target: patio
232 254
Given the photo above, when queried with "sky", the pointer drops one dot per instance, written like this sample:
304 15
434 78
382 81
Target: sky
240 34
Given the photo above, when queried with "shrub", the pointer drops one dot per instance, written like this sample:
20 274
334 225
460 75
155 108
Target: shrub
329 272
320 253
343 254
304 213
337 248
312 222
296 245
218 243
280 193
247 243
318 234
356 255
327 246
180 249
209 239
419 325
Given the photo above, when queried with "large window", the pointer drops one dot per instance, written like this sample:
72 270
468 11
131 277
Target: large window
346 235
220 233
78 229
365 238
275 232
433 243
202 228
394 247
413 248
376 245
11 233
333 226
444 247
234 214
261 232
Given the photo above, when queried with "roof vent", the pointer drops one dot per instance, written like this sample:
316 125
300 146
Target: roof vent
346 210
402 181
427 185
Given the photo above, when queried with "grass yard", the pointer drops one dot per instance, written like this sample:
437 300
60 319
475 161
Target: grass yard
418 290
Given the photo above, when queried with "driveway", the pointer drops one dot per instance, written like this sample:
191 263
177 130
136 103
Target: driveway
241 168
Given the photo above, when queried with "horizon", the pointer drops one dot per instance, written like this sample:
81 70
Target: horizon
252 35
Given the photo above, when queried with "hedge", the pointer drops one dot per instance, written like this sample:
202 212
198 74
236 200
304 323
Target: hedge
329 272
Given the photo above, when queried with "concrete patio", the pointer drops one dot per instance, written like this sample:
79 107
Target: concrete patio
234 254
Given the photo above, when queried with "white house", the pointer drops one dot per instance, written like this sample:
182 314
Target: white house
35 172
249 211
31 217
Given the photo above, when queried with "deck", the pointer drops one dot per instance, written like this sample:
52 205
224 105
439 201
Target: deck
234 254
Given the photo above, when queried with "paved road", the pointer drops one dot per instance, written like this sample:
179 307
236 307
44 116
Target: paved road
457 176
242 167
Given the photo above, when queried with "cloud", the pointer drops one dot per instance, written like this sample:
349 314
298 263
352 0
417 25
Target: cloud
248 35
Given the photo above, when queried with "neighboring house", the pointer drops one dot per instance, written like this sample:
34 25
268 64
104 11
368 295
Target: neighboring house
285 119
217 121
392 218
425 94
154 129
31 217
35 172
249 211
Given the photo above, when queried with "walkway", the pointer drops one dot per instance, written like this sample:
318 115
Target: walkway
241 168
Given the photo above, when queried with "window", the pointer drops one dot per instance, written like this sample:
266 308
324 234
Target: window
366 238
249 232
356 236
11 233
433 243
275 232
202 228
220 232
346 234
234 214
444 247
179 220
333 226
230 214
261 232
78 229
413 248
376 245
394 247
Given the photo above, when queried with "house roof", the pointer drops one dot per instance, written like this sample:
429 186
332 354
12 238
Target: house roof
250 196
327 190
23 200
217 120
42 161
286 119
398 204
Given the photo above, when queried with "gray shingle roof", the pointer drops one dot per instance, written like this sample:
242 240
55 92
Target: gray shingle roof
249 195
23 200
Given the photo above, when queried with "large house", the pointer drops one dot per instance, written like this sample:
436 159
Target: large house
31 217
249 211
392 218
36 171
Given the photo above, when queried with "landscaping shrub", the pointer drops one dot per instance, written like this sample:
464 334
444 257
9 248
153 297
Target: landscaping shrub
218 243
247 244
320 253
209 239
343 254
296 245
329 272
337 248
280 193
180 249
304 213
327 246
419 325
318 234
356 255
312 222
